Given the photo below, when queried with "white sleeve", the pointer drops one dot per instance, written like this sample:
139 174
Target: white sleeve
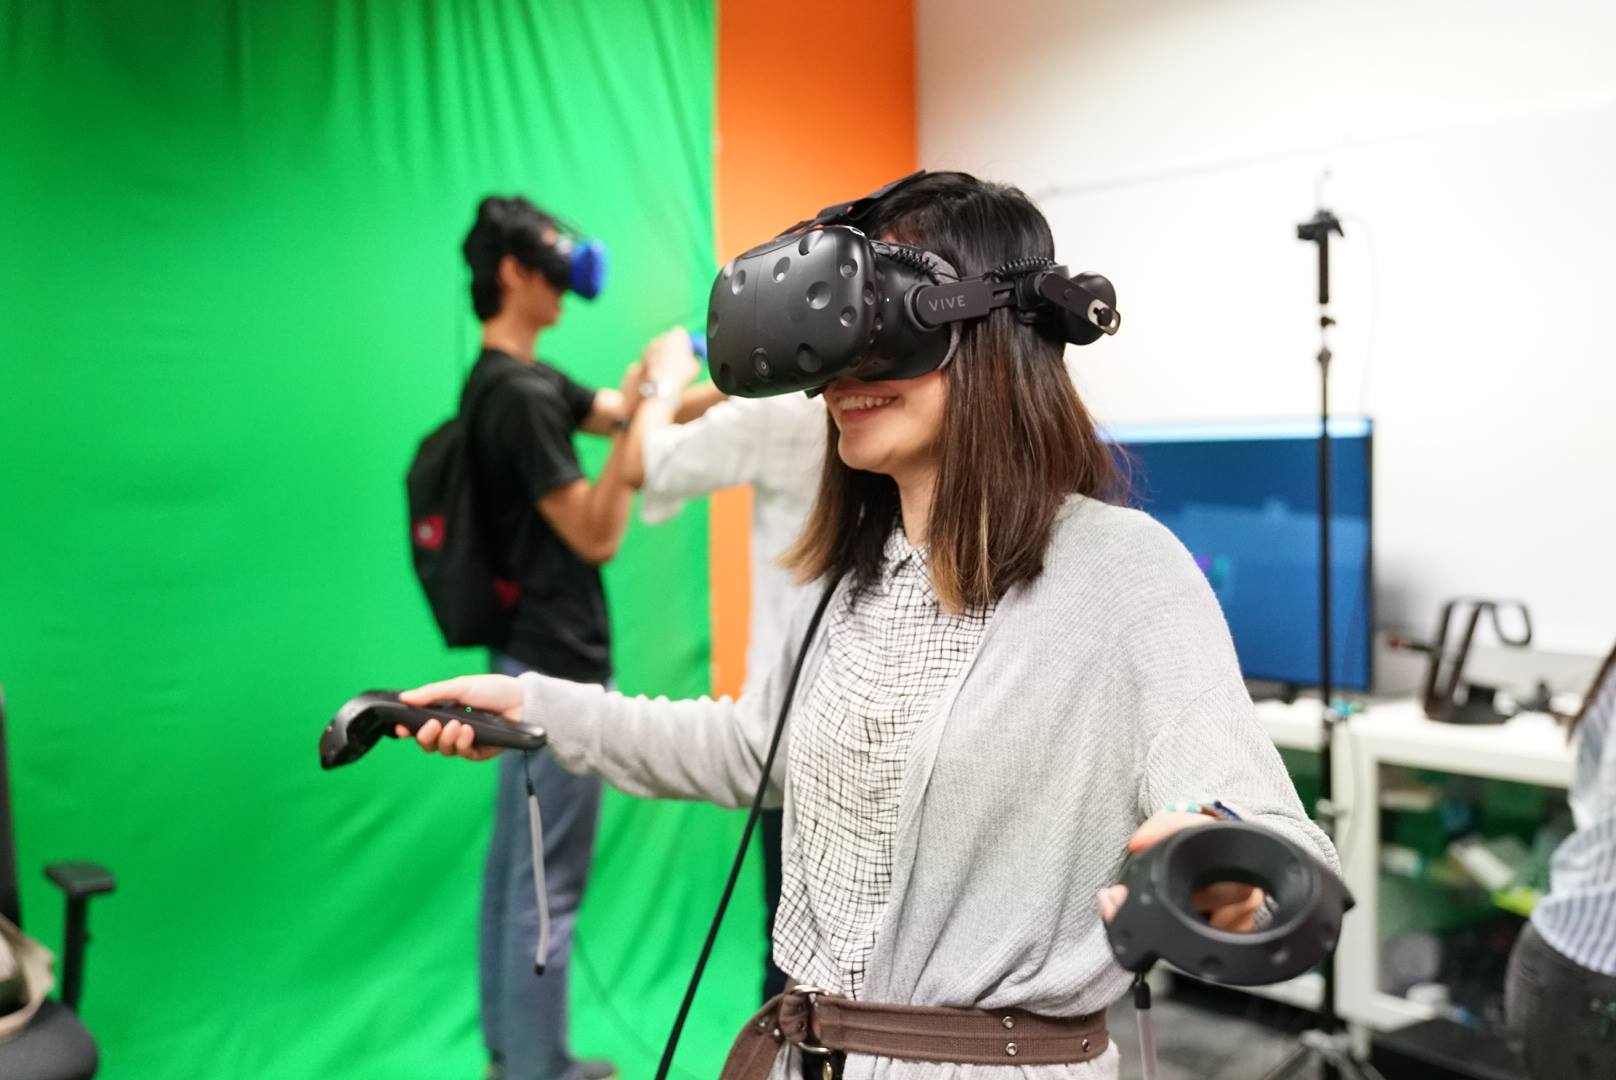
705 750
719 449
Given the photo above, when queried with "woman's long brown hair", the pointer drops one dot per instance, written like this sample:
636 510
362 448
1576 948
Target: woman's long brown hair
1015 441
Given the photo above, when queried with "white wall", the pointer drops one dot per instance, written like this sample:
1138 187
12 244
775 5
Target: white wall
1471 152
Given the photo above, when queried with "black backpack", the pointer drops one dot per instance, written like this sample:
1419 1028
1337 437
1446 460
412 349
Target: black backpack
472 601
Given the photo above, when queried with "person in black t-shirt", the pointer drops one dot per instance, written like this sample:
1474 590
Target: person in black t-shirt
550 529
523 446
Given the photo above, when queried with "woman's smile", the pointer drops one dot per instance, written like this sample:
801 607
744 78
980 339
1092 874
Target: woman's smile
857 406
889 426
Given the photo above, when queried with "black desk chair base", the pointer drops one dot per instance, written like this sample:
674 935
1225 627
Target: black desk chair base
54 1046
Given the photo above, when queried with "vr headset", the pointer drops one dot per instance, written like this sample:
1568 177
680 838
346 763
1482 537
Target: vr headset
572 261
822 300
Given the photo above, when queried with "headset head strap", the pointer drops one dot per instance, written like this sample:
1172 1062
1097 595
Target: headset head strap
853 213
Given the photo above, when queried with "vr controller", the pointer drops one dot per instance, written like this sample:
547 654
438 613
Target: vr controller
1159 921
365 718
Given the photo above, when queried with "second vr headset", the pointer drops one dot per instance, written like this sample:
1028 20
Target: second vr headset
823 300
572 261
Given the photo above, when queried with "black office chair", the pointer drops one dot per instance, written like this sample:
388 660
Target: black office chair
54 1045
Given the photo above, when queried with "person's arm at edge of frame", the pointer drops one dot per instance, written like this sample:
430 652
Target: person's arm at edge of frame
592 518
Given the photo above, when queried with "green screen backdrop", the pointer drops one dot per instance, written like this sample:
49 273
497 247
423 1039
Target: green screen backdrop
231 301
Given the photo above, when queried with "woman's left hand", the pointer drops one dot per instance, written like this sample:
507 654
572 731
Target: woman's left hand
1228 905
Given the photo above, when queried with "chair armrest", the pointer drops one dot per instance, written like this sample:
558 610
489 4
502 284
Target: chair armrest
79 881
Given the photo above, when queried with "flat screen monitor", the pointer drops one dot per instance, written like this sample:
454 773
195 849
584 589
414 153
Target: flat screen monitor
1243 497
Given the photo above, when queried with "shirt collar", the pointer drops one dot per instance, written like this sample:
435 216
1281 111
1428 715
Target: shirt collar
899 556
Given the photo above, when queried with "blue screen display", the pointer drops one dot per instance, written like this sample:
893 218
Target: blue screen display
1243 497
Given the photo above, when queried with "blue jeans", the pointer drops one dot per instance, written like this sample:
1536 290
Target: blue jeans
525 1015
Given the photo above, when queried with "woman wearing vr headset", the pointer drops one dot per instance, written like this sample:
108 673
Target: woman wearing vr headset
1014 683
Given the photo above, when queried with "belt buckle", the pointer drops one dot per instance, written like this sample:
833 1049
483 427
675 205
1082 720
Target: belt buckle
811 993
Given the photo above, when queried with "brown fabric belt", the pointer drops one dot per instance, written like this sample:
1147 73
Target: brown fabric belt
819 1024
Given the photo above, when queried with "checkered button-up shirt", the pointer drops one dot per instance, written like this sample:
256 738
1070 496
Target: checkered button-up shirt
890 652
1578 916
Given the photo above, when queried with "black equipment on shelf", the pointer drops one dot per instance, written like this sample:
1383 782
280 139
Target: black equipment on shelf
1446 694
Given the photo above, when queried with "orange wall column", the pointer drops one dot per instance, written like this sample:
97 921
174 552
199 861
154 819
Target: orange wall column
795 134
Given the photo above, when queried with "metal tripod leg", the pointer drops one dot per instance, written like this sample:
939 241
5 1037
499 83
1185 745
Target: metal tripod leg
1147 1027
1294 1060
1334 1049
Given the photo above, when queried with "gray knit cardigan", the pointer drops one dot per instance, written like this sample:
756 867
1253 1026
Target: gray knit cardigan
1101 691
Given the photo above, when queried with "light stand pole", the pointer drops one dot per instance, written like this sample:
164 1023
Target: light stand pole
1330 1041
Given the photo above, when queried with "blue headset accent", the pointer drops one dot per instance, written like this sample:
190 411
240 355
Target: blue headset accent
574 262
586 267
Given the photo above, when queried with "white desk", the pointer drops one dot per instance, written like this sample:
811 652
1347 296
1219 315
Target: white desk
1530 749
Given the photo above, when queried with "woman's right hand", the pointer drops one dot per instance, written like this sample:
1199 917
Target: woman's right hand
492 693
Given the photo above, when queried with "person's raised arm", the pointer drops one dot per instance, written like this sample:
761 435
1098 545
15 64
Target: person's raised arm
608 412
720 449
591 518
611 409
696 400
